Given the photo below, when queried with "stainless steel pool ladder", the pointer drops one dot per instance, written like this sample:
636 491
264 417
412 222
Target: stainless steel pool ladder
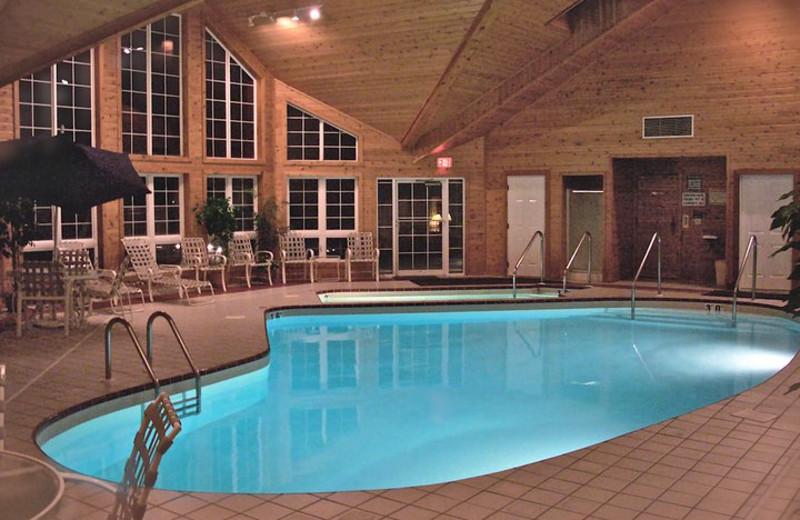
585 235
752 246
522 257
656 239
187 406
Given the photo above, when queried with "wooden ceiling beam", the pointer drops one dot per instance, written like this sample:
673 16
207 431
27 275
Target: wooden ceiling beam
592 37
69 44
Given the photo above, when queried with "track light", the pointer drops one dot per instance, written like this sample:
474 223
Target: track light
286 17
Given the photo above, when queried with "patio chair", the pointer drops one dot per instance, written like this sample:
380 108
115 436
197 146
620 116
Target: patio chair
157 431
2 407
241 254
111 287
195 255
360 250
293 251
144 264
41 286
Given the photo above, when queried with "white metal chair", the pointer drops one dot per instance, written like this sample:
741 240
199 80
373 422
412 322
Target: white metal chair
40 285
144 264
293 251
361 249
157 431
2 407
241 254
111 287
195 255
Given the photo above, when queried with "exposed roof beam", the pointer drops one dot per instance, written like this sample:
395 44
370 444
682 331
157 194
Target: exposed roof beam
62 47
591 38
471 40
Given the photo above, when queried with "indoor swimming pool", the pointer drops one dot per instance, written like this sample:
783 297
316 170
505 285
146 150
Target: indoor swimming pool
393 397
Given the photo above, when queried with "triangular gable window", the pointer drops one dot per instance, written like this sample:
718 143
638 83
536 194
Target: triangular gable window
309 138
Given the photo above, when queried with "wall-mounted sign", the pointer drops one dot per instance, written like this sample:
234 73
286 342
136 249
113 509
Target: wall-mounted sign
693 198
444 163
716 197
694 183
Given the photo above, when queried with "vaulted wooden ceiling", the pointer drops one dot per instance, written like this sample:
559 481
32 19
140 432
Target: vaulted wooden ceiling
431 73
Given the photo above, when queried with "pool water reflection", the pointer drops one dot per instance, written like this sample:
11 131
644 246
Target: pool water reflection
366 401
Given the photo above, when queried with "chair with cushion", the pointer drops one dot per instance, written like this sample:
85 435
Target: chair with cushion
361 250
241 254
195 255
294 251
143 262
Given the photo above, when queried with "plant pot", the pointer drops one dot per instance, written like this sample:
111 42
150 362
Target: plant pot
721 272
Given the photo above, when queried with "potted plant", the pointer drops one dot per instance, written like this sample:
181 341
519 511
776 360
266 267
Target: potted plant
17 229
787 219
267 229
218 218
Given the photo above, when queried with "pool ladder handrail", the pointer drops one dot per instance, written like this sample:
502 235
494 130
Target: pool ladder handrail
752 246
147 359
135 340
522 257
572 259
656 238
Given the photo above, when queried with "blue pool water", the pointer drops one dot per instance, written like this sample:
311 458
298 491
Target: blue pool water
366 401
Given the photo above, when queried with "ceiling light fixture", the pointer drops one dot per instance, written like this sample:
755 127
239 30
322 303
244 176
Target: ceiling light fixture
286 17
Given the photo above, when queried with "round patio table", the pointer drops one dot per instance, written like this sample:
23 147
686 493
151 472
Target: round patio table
29 488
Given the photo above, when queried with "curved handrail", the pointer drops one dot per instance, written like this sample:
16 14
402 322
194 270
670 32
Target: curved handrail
656 238
752 245
522 257
572 259
136 344
181 343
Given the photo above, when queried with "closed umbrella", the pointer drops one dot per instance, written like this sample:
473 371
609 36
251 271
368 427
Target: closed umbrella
57 171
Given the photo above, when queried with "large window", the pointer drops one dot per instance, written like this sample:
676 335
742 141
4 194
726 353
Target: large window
52 100
324 211
241 192
157 215
151 88
309 138
230 104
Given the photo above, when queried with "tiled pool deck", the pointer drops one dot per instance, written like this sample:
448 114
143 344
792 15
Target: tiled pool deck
736 459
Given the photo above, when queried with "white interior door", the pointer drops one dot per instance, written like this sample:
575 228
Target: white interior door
526 216
758 199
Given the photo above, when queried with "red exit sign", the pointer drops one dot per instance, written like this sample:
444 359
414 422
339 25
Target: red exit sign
444 163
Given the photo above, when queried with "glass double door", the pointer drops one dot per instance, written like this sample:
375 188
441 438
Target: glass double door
421 226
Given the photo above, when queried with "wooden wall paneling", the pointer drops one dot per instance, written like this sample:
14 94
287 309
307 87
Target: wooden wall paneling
108 135
8 114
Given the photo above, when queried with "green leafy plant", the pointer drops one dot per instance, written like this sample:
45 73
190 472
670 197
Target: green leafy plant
787 219
218 218
267 229
17 229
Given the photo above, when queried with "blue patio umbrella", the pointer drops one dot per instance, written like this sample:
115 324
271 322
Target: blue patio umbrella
57 171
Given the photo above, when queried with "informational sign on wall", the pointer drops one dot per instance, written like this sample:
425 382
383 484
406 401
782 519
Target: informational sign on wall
716 197
693 198
694 183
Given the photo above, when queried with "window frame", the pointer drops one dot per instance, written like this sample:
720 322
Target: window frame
150 210
229 195
229 57
149 94
57 225
321 233
320 136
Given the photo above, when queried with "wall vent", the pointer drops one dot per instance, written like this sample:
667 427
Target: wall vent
665 127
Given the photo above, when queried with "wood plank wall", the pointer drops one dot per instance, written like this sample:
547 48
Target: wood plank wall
381 156
732 64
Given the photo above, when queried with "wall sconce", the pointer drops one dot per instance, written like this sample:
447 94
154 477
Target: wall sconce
286 17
